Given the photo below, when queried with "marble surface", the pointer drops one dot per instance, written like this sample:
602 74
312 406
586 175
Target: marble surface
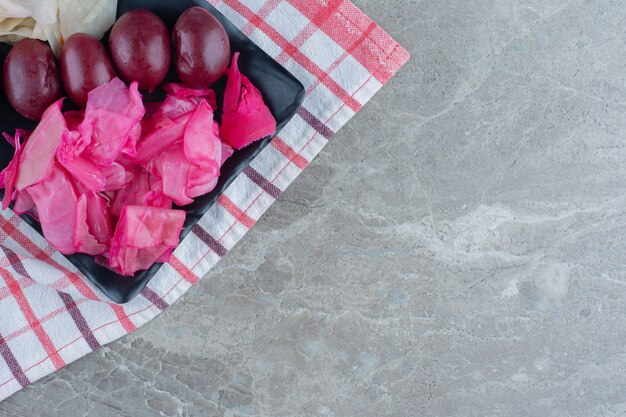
457 250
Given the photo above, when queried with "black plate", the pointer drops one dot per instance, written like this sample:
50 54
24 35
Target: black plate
282 92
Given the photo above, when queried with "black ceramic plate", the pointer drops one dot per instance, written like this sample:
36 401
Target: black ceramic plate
282 92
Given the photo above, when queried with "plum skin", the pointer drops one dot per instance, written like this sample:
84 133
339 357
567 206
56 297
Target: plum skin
141 48
201 48
30 78
85 65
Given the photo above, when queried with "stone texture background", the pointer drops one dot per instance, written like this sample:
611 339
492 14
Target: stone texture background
457 250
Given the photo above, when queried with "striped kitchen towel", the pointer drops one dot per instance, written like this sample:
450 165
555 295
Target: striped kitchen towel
51 315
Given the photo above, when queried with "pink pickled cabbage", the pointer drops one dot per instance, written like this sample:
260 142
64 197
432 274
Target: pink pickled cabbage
201 138
133 194
113 111
201 181
55 199
98 218
181 91
174 107
10 139
173 170
191 168
166 134
20 134
130 147
246 118
24 204
103 180
74 118
8 176
86 173
227 152
84 241
144 190
143 236
116 176
36 161
156 198
72 145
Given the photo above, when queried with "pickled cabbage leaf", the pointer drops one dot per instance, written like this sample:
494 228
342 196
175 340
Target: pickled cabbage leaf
143 236
166 133
201 140
55 199
24 204
111 117
98 219
84 241
37 158
246 118
144 190
8 176
172 168
116 176
88 174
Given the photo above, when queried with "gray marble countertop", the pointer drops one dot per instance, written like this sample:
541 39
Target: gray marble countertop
457 250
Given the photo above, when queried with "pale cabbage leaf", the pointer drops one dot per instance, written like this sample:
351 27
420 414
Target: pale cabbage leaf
54 20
